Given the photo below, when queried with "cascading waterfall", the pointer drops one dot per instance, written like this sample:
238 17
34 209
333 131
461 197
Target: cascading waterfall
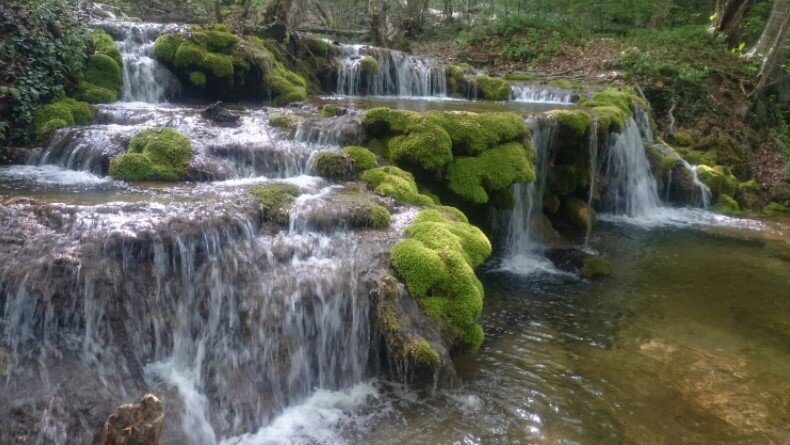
399 74
539 94
593 174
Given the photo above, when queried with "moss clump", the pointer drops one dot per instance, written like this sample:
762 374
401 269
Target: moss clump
421 353
285 86
437 261
369 66
577 121
722 149
219 65
491 88
718 179
275 200
104 44
92 94
378 217
418 140
61 113
727 205
165 47
473 178
189 55
285 121
333 165
154 155
613 107
397 184
473 133
455 78
596 267
101 82
363 158
681 138
576 212
563 84
197 79
661 162
330 110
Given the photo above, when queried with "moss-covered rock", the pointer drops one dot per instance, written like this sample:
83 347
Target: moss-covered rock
61 113
420 353
101 82
397 184
104 44
613 107
492 88
727 205
473 133
595 267
749 196
718 179
369 66
154 155
576 212
330 110
563 84
284 121
221 65
473 178
519 77
333 165
275 200
681 138
415 139
363 158
576 121
437 261
722 149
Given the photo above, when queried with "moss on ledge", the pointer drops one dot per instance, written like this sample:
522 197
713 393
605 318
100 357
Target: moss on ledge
275 200
416 139
363 158
333 165
101 81
104 44
473 133
718 179
473 178
492 88
154 155
61 113
613 107
369 66
437 261
284 121
577 121
397 184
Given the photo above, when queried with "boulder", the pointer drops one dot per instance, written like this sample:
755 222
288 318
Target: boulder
220 116
134 424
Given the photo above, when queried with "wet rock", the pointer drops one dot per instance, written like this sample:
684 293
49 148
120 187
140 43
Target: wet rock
220 115
576 212
579 262
335 166
134 424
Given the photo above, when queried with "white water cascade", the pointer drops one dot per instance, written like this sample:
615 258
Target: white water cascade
399 74
540 94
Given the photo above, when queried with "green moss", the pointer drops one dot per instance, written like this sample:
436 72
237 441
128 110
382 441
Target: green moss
661 162
189 55
727 205
491 88
369 65
363 158
563 180
102 71
473 178
519 77
330 110
421 353
61 113
154 155
93 94
563 84
718 179
596 267
426 145
613 107
216 41
333 165
285 86
380 122
104 44
577 121
775 207
396 183
275 200
165 47
437 261
378 217
197 79
473 133
576 212
681 138
220 27
285 121
219 65
455 79
723 149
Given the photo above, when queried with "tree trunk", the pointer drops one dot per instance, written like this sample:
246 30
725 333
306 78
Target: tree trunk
729 14
780 11
773 58
448 10
377 20
277 20
218 11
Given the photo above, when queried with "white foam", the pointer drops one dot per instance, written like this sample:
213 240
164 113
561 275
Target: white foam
50 175
531 263
682 217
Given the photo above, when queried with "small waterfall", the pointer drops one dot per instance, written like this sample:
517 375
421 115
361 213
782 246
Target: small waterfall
631 188
399 74
538 94
523 241
593 174
705 193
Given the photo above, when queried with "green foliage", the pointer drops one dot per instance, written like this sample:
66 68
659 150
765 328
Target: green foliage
727 205
154 155
492 88
596 267
437 261
473 178
275 200
363 158
61 113
397 184
42 52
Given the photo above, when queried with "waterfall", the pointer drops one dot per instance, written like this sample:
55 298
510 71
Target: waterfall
593 173
523 242
631 188
538 94
399 74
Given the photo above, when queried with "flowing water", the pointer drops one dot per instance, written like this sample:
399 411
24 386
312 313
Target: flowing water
257 335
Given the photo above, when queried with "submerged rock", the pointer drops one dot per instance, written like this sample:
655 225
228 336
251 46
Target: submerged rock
134 424
220 115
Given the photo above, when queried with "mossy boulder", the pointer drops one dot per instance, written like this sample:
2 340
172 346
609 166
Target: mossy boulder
727 205
681 138
397 184
576 212
718 179
576 121
284 121
275 200
420 353
330 110
722 149
749 196
363 158
154 155
595 267
359 208
62 113
436 262
218 64
413 137
473 133
333 165
613 107
492 88
101 81
104 44
474 178
369 66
